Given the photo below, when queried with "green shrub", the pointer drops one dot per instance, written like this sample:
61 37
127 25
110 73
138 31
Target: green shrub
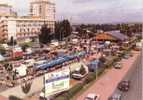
109 63
61 98
18 58
89 78
26 87
2 50
82 70
74 90
100 72
14 98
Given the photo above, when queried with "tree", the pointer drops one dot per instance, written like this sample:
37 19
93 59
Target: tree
62 29
24 47
26 87
2 50
8 67
58 30
12 41
82 70
44 37
124 28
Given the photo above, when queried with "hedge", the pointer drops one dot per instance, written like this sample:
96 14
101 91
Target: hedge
101 71
90 77
70 93
75 89
14 98
61 98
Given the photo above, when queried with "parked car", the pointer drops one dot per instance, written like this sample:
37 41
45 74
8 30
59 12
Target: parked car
131 54
77 75
127 56
124 86
116 96
92 96
118 65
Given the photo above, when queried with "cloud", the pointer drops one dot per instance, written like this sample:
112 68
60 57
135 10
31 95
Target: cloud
97 11
105 16
82 1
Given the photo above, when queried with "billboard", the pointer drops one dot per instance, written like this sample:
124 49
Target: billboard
56 82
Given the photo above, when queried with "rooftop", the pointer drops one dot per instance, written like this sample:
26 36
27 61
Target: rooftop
5 5
117 34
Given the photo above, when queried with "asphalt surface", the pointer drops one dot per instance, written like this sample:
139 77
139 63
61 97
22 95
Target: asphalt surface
135 92
135 76
107 84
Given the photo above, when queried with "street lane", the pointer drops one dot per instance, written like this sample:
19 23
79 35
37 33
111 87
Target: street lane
107 84
135 91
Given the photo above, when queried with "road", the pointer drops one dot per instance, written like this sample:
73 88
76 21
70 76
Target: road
135 91
107 84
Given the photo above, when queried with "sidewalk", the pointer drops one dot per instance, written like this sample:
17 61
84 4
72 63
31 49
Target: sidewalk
3 98
107 84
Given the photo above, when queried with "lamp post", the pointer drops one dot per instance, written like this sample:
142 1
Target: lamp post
96 68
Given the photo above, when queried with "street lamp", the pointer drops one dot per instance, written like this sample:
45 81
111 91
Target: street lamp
96 68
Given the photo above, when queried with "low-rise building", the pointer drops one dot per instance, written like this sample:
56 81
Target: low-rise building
27 27
111 36
7 10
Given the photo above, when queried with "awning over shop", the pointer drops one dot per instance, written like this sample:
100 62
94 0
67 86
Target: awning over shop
60 60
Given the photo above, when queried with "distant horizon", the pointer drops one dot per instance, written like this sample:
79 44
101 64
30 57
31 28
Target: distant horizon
131 22
90 11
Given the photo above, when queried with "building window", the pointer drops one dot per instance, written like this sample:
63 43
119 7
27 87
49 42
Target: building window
28 30
29 24
40 9
24 30
20 30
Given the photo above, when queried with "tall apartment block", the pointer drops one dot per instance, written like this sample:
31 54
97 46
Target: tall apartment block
43 8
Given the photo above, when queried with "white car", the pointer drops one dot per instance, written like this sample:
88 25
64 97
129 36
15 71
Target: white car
118 65
92 96
77 76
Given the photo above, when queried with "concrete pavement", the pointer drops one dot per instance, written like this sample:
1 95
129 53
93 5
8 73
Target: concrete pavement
37 85
3 98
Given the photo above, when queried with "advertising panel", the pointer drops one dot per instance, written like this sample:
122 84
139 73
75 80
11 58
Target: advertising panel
56 82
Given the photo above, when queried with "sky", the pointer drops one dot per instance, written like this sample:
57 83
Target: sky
90 11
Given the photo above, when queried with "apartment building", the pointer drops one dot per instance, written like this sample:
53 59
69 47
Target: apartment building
41 12
21 28
43 8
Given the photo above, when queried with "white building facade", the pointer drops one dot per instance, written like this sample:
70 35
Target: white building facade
20 28
43 8
41 12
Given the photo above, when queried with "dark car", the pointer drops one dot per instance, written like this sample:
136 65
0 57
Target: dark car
116 96
124 86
